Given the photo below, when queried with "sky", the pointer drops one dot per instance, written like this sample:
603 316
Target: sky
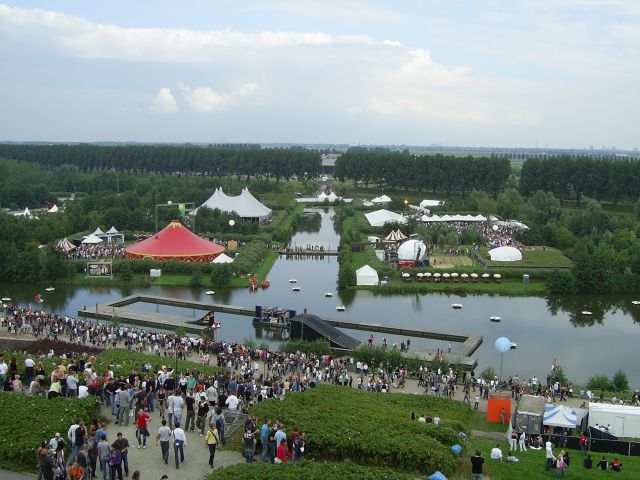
513 73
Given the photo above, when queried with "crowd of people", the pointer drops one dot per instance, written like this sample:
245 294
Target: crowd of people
97 251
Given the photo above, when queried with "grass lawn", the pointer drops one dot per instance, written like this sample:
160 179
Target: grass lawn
548 258
532 464
478 421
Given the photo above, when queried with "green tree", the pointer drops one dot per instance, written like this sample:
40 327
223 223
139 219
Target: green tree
620 382
561 281
221 275
488 374
510 203
346 275
599 382
126 272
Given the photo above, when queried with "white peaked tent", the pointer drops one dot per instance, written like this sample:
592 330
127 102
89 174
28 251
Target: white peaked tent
245 204
222 258
559 416
65 245
91 240
381 199
412 250
53 209
505 254
112 234
97 232
379 217
366 276
26 213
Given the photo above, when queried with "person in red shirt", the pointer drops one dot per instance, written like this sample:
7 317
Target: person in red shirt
283 452
142 433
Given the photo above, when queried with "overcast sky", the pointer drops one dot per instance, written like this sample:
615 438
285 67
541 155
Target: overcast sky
560 73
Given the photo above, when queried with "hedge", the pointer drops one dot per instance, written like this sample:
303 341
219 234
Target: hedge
306 470
372 429
25 422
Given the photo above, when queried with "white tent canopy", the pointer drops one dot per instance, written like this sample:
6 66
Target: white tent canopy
430 203
381 199
65 245
97 232
91 240
245 204
412 250
559 416
379 217
111 235
454 218
53 209
505 254
366 276
222 258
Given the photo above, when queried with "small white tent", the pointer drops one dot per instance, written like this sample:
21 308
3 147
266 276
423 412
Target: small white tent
366 276
91 240
505 254
559 416
381 199
379 217
97 232
222 258
53 209
430 203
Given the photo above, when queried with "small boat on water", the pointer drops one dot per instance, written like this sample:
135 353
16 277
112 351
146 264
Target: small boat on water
209 292
635 302
265 284
340 308
49 289
293 280
295 289
328 294
495 318
456 306
586 312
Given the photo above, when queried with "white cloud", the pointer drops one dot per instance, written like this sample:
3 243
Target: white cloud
164 102
350 11
206 99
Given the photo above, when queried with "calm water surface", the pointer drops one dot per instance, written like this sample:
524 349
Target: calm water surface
544 328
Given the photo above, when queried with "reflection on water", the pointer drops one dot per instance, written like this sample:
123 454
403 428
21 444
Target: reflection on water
544 328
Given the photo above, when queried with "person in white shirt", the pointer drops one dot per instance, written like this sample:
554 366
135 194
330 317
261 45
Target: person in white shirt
3 372
178 403
29 370
232 403
83 391
496 453
179 442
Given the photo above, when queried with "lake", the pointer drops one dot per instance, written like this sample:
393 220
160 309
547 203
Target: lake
544 328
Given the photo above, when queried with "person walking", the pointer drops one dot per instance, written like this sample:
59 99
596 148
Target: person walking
549 455
78 435
248 442
142 433
164 437
115 463
179 442
477 466
211 441
124 403
513 441
122 444
298 448
103 455
561 465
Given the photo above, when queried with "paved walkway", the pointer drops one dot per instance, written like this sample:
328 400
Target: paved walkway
7 475
149 460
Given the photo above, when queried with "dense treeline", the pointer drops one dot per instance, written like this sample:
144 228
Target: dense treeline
275 163
574 177
427 172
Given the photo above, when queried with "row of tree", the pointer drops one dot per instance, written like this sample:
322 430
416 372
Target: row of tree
278 163
567 177
424 172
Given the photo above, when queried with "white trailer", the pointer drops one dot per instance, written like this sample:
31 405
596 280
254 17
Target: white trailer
624 419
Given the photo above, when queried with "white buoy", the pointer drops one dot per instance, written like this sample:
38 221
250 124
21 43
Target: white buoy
456 306
341 308
209 292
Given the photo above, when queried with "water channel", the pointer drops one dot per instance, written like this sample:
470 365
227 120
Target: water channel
543 327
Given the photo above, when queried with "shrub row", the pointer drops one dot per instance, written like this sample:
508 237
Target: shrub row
371 429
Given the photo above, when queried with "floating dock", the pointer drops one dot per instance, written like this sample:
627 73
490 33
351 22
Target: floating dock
121 308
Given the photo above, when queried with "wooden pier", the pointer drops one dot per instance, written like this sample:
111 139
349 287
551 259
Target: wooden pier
307 253
121 308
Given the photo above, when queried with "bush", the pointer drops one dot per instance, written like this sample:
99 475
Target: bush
26 421
318 347
561 281
488 374
221 275
307 471
250 256
370 429
43 346
599 382
346 275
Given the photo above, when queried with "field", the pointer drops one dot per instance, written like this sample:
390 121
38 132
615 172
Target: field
541 257
371 429
532 464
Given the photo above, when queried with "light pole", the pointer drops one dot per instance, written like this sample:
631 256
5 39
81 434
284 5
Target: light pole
406 203
168 204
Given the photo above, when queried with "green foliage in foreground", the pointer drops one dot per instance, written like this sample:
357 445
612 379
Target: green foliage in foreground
307 470
318 347
532 463
26 421
372 429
